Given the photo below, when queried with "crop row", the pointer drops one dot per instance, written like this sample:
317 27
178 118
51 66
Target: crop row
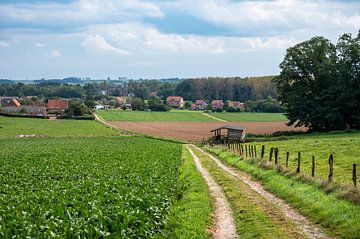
89 187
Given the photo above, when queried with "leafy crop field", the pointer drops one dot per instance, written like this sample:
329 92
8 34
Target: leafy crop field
344 146
12 127
86 187
249 116
170 116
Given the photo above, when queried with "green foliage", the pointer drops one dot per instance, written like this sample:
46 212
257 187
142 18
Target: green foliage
157 105
234 88
190 213
269 105
232 109
170 116
320 83
86 187
77 109
137 103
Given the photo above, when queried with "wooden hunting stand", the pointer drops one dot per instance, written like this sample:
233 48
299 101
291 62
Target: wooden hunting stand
233 134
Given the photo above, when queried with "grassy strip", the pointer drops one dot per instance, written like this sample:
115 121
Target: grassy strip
340 218
190 214
255 217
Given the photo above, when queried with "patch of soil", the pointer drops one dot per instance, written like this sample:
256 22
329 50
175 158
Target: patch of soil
196 131
30 136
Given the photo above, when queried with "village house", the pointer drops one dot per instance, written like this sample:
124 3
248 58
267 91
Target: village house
236 105
217 104
201 105
57 106
120 102
32 110
5 100
153 94
175 101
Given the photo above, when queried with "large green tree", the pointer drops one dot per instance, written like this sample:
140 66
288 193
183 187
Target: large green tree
315 83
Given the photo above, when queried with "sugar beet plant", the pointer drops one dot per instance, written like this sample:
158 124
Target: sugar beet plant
86 188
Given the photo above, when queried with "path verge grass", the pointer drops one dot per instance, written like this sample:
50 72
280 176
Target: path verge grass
254 216
190 213
340 218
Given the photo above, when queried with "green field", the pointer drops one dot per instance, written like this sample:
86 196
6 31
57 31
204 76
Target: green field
12 127
344 147
188 116
170 116
249 116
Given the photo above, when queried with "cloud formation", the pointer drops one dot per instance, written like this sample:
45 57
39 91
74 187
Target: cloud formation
98 44
54 54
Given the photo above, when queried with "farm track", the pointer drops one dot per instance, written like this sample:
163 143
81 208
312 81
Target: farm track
224 224
302 225
215 118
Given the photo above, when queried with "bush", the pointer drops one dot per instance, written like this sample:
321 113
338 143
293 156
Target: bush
232 109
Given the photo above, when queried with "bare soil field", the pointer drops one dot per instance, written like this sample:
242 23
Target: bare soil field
196 131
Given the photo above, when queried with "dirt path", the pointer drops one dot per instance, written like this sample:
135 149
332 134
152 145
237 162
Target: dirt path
305 225
224 224
215 118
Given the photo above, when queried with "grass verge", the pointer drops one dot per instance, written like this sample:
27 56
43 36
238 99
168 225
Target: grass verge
190 214
340 218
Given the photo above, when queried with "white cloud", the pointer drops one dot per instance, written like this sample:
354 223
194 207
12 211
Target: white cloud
4 44
54 54
77 13
98 44
40 45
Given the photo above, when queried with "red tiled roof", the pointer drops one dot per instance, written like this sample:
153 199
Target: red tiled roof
15 102
57 104
217 102
174 98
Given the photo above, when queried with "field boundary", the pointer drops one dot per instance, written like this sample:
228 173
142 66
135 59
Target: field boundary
299 220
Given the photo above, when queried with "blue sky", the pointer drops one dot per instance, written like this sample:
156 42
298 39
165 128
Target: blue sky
160 39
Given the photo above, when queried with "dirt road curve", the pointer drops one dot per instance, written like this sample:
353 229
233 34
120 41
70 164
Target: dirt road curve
195 131
224 224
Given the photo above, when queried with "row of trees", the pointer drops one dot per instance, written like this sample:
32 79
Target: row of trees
319 83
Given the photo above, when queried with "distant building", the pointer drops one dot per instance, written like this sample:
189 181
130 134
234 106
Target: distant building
153 94
120 102
99 107
236 105
32 110
175 101
57 106
5 100
217 104
193 106
201 105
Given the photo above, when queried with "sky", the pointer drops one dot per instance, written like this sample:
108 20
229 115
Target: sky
161 39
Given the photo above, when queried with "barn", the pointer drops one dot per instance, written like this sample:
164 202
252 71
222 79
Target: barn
231 134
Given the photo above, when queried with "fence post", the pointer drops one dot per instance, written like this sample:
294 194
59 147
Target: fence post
313 166
276 156
331 167
246 150
354 174
287 159
242 149
255 151
271 154
262 151
252 151
298 162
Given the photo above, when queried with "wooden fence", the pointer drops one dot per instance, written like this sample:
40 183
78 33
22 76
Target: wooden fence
250 151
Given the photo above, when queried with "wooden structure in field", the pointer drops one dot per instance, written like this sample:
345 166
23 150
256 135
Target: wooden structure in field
233 134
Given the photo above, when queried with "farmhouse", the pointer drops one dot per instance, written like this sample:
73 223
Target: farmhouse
120 101
233 134
57 106
32 110
201 105
175 101
217 104
236 105
5 100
